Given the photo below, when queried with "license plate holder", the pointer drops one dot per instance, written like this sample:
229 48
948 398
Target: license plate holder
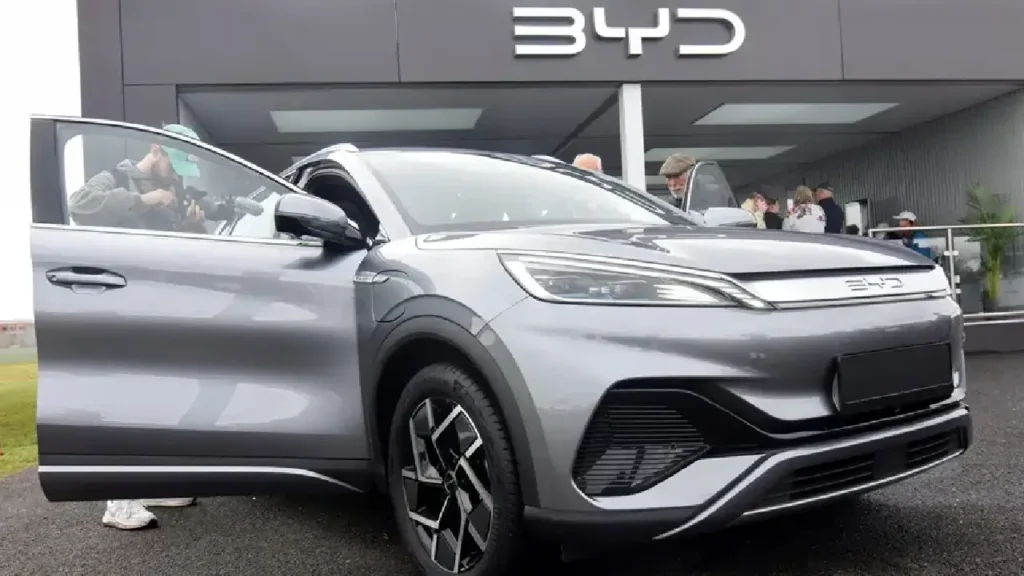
893 377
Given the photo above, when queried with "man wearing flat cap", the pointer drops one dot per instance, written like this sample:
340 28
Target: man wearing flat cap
676 171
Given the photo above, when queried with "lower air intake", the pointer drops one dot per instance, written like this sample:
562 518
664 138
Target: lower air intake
630 446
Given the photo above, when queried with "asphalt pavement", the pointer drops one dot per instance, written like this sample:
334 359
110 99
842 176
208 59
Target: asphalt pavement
964 518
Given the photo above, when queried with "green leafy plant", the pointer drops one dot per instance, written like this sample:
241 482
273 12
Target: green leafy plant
985 207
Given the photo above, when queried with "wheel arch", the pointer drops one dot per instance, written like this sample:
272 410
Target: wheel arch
460 345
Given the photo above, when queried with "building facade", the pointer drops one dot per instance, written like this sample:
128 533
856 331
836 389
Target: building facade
631 81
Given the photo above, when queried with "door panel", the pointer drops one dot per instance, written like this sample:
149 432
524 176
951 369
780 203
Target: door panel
181 359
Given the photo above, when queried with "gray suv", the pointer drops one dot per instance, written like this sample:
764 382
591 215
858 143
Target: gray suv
507 346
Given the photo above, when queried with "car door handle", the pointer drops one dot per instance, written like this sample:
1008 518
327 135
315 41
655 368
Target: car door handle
85 277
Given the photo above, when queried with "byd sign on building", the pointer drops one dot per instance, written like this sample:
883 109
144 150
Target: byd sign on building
574 37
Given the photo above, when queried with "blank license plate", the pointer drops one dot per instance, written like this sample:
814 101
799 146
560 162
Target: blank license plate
895 377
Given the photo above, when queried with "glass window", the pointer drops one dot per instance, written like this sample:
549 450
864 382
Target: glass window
710 189
447 191
127 178
254 216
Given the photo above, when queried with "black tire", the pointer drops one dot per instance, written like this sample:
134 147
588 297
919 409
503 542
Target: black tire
454 391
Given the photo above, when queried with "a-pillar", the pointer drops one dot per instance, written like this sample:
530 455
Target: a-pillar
631 135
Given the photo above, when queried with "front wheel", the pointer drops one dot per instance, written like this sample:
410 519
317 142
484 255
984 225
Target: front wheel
451 476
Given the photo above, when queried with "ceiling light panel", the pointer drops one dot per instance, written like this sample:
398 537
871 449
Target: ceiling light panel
791 114
722 153
412 120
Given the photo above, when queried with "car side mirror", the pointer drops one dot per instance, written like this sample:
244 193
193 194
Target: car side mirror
305 215
719 217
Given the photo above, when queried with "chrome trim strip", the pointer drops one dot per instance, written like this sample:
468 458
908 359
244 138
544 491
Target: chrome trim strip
186 235
195 470
853 287
810 450
858 488
861 301
981 322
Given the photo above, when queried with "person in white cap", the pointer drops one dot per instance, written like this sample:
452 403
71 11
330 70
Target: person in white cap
908 219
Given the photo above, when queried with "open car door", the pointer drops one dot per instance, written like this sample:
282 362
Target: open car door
175 361
709 196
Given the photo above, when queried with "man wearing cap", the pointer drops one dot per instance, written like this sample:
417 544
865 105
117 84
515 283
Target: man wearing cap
676 171
143 194
908 219
833 213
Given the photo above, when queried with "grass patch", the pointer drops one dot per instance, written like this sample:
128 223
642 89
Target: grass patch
17 417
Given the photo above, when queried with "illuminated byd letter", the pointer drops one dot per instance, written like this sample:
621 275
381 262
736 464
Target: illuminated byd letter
634 36
739 31
572 32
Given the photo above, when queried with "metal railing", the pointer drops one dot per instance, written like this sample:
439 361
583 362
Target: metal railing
950 256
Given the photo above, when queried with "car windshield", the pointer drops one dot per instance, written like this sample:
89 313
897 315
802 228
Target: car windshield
465 191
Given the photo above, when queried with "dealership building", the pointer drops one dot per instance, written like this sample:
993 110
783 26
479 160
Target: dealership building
899 104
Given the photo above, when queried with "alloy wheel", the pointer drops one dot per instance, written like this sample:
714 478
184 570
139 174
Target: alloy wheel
447 482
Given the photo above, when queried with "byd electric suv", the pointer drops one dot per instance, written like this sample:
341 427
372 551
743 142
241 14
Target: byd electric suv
505 345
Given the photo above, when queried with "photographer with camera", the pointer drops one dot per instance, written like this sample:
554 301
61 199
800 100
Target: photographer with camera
147 194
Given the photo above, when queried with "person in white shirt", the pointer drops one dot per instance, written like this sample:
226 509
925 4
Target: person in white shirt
806 215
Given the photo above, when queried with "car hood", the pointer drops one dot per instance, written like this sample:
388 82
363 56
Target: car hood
724 250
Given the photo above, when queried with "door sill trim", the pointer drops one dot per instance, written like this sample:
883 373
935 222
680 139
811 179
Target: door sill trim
254 470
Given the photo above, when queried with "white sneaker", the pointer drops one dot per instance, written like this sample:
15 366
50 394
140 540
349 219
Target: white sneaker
127 515
168 502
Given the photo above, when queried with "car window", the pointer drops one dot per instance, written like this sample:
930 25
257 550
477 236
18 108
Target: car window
123 177
710 189
254 216
451 191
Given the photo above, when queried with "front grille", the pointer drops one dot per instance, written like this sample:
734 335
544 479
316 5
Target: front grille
631 445
836 476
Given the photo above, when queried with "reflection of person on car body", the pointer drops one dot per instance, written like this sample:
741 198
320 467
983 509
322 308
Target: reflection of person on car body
143 194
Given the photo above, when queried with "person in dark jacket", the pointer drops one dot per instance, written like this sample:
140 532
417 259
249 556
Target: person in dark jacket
145 194
772 219
833 213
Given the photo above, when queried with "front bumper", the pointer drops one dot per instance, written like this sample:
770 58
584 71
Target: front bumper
772 483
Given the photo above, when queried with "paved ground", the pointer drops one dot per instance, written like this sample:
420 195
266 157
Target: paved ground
965 518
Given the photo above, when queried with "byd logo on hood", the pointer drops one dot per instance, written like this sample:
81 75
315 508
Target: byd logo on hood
576 36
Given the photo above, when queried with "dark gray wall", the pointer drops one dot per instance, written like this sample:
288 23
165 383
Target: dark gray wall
786 40
99 53
127 43
932 39
930 167
258 41
153 105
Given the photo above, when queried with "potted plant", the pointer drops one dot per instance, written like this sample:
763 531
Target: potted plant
985 207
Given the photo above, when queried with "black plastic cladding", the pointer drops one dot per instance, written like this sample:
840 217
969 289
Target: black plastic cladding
701 427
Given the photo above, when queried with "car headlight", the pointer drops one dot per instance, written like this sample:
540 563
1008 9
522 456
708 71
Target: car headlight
588 280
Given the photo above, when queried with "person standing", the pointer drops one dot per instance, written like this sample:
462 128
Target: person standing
806 215
142 194
911 238
772 219
833 213
676 171
756 206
